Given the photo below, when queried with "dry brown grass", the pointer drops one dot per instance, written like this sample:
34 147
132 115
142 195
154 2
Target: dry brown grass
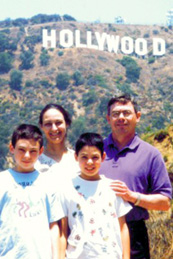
160 230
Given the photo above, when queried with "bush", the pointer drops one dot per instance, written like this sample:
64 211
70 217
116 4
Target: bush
62 81
161 135
78 78
89 98
60 53
26 57
132 68
16 80
44 58
126 89
155 32
151 60
5 62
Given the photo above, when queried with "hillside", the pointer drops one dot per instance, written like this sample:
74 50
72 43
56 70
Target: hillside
82 79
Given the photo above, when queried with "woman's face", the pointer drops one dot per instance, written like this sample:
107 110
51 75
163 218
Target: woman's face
54 126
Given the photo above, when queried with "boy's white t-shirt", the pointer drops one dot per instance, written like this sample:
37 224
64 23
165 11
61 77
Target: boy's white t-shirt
93 210
28 204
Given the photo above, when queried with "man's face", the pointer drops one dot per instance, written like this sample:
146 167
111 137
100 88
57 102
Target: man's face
123 119
26 152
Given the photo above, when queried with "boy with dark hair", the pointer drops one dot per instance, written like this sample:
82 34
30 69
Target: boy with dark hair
95 215
28 209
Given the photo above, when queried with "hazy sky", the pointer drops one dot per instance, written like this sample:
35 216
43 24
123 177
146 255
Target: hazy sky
133 11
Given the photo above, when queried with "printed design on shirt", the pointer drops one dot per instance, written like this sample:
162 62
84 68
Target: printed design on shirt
78 212
97 230
23 208
25 184
80 194
26 209
77 237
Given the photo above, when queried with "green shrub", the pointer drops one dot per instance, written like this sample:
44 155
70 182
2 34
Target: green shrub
44 58
62 81
78 78
16 80
27 60
5 62
132 68
151 60
60 53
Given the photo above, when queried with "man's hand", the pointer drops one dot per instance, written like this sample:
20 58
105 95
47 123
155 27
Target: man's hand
147 201
123 191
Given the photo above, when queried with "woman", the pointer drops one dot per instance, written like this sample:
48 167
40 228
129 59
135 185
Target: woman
54 121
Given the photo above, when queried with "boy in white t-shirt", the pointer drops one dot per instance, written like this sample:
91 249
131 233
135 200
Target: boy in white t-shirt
94 214
29 208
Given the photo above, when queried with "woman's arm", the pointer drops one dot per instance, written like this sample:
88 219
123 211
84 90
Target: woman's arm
125 239
63 227
55 234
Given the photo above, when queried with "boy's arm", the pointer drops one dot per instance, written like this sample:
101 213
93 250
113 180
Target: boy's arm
55 234
125 238
63 227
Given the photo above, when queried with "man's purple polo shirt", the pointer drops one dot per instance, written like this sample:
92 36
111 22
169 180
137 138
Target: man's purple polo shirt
141 167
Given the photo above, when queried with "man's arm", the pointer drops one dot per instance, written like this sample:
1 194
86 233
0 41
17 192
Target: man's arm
125 239
147 201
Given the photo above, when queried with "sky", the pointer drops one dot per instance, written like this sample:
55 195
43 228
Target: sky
133 11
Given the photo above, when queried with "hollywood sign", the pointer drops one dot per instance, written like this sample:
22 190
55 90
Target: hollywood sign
111 43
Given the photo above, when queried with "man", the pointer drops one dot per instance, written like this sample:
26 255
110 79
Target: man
138 170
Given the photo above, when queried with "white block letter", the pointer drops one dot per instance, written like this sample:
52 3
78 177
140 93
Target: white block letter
77 39
141 47
159 47
127 45
66 38
51 39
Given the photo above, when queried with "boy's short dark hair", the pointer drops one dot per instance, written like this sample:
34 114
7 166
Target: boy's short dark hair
90 139
123 99
27 131
57 107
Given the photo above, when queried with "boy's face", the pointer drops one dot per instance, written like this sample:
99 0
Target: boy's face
26 152
90 159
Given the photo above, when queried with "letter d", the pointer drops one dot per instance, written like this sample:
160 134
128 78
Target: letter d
159 47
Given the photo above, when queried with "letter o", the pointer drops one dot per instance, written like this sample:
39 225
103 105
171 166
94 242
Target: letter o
66 38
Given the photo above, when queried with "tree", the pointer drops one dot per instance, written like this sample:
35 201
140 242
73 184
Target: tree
62 81
16 80
78 78
77 128
26 57
5 62
44 58
132 68
89 98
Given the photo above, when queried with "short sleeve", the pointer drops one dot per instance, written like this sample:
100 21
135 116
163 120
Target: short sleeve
122 207
55 209
159 181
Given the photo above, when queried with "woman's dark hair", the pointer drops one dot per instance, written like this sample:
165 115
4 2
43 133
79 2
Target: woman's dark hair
89 139
57 107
